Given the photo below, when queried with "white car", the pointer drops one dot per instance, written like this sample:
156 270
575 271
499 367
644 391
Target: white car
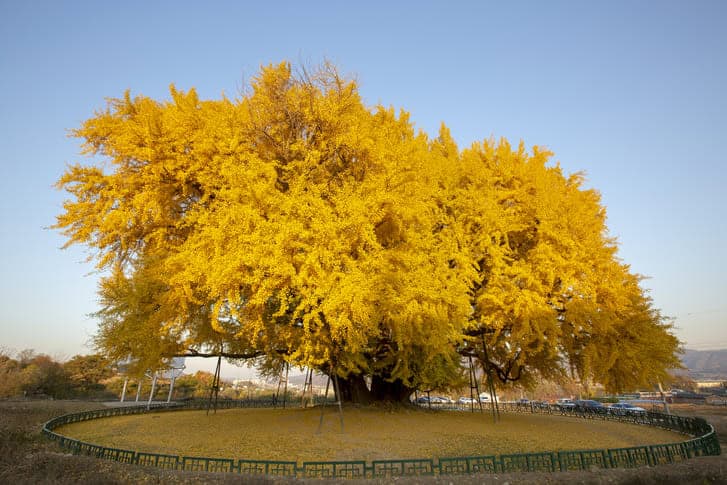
625 409
565 403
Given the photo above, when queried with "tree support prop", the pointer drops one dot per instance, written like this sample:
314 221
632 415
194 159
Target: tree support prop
337 392
215 389
474 387
285 387
307 386
493 396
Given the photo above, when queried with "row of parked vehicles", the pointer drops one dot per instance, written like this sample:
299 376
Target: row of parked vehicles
620 408
564 404
484 398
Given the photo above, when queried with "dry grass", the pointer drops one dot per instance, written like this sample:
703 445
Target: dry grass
27 457
369 434
715 415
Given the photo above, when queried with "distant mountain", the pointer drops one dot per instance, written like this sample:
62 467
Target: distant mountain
318 380
706 364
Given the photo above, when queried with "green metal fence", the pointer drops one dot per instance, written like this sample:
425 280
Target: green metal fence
704 443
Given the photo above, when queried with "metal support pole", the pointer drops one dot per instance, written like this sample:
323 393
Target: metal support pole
285 389
138 389
476 387
493 395
276 395
472 397
663 398
308 384
323 406
493 392
153 388
336 389
171 388
215 389
123 391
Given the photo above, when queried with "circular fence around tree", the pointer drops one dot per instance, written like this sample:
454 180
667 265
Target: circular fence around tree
703 443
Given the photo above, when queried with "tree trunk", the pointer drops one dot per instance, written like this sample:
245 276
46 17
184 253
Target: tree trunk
395 391
354 390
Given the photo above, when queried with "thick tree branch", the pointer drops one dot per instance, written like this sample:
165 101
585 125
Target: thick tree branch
227 355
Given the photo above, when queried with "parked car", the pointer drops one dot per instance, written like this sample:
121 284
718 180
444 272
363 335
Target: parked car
434 400
625 409
589 405
466 400
565 403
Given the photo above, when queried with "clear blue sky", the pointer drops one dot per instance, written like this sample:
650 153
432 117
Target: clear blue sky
632 93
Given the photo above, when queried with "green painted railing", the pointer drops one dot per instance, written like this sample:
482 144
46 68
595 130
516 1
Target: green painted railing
704 443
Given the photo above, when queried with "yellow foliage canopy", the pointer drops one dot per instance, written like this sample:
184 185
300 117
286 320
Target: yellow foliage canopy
298 225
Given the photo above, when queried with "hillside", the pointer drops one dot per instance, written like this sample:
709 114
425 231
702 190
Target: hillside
706 364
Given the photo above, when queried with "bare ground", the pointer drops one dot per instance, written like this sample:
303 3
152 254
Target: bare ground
27 457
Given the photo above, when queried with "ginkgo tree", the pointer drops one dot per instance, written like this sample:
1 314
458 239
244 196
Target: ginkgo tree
297 225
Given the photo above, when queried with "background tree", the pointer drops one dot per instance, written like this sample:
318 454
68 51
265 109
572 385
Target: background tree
10 383
32 375
43 376
87 373
297 225
194 385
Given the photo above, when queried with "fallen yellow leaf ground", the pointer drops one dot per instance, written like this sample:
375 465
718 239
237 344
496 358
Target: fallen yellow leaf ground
368 434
